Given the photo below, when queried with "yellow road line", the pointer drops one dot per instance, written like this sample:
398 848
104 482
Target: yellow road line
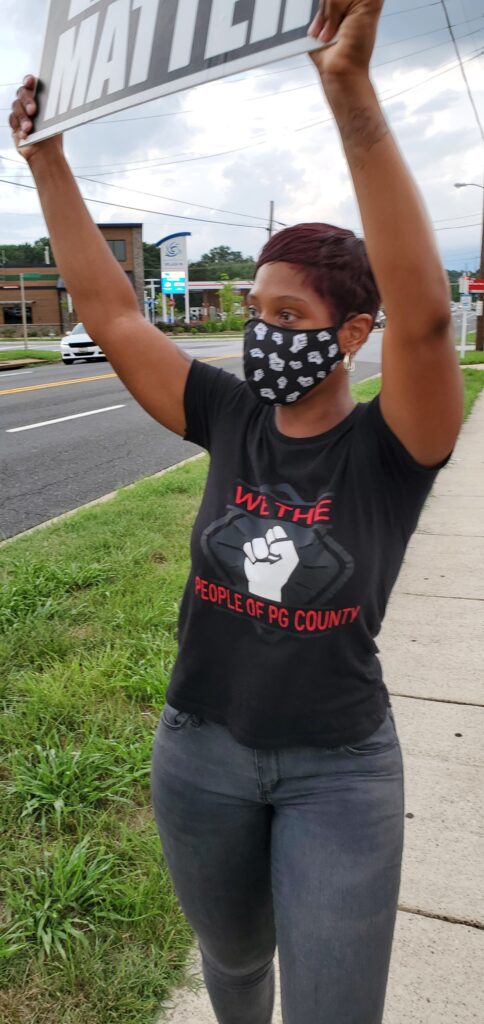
86 380
57 384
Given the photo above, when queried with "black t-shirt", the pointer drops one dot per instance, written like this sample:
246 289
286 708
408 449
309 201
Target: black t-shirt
295 551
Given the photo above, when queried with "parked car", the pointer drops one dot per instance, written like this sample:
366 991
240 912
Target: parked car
77 344
380 320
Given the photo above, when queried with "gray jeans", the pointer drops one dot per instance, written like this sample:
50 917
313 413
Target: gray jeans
299 847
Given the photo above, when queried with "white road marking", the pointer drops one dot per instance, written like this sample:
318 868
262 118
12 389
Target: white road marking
18 373
63 419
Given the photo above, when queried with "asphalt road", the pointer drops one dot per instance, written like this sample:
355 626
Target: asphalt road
100 438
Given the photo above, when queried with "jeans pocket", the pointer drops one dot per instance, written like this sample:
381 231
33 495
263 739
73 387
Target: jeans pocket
174 719
384 738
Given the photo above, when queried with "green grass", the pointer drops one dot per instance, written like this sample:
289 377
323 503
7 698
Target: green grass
90 929
472 357
30 353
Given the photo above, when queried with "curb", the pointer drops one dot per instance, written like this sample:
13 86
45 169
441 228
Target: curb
100 501
15 364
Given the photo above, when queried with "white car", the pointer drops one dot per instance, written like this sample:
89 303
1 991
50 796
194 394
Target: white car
78 345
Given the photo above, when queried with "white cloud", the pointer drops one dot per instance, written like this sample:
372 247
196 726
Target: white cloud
304 172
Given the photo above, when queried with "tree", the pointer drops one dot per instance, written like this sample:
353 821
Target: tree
25 254
151 255
220 263
227 296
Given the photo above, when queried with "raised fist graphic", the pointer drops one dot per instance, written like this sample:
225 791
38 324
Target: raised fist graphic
269 563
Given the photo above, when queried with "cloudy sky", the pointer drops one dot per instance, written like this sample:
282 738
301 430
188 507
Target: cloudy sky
236 144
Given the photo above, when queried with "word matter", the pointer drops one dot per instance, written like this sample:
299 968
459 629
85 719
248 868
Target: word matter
105 55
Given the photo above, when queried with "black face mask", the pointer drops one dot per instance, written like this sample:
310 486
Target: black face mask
283 365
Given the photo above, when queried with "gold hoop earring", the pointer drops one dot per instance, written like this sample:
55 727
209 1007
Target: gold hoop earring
348 363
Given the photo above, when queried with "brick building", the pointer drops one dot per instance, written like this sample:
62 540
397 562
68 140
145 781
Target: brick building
47 305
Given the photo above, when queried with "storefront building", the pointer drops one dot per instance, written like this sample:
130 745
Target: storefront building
48 307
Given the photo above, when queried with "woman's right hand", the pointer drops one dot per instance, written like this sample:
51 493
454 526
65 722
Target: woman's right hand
21 120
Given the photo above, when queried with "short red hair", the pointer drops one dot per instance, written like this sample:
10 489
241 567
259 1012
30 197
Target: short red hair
334 263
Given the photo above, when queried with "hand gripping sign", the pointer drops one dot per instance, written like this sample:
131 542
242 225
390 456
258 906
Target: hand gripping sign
101 56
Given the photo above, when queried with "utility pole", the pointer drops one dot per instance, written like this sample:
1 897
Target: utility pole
271 219
24 314
480 319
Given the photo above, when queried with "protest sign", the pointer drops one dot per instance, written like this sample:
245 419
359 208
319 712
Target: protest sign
102 56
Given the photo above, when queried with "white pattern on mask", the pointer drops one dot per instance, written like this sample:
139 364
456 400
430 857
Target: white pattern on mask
332 351
315 357
275 363
268 393
295 365
278 337
257 353
260 331
294 397
305 382
324 336
282 382
322 374
300 342
259 375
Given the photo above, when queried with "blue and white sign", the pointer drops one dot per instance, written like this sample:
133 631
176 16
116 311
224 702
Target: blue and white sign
466 302
173 283
174 267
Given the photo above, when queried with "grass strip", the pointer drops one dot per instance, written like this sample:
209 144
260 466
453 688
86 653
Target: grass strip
90 929
472 357
22 353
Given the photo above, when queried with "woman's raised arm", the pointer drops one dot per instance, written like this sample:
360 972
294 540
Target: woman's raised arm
152 367
421 398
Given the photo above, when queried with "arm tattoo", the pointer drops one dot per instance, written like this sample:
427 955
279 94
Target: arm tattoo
361 129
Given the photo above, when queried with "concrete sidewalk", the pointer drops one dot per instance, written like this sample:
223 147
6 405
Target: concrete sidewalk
432 650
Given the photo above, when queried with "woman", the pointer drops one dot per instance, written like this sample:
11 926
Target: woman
277 772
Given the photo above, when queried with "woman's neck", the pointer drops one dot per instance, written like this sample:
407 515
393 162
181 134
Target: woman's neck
321 410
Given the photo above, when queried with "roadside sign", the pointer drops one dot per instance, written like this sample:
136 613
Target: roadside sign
102 56
463 285
476 286
173 283
479 307
466 302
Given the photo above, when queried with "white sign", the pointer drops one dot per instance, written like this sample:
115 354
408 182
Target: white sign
466 302
479 307
173 252
101 56
463 286
174 266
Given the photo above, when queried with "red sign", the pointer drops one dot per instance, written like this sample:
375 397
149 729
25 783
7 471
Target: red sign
476 286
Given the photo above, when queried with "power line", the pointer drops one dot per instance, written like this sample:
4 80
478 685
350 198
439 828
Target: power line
402 92
459 227
141 209
464 75
168 199
160 213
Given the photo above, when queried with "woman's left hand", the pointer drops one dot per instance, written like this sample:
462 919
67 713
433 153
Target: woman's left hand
355 22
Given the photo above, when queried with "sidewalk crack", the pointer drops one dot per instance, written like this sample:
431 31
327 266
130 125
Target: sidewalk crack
437 700
448 918
440 597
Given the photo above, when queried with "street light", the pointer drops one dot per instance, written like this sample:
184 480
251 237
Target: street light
480 319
